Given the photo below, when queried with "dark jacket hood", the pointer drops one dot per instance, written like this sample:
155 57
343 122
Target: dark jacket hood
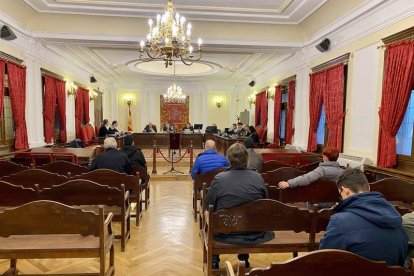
129 150
373 207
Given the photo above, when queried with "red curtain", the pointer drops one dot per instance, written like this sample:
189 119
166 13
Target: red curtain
317 86
61 105
397 85
17 85
333 98
276 122
49 103
86 105
260 114
78 111
291 105
2 64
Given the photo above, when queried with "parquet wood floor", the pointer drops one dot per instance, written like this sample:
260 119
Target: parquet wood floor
166 243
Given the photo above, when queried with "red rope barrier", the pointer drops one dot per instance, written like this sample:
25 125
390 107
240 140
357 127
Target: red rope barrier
162 155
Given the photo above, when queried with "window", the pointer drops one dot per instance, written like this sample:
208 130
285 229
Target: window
283 114
320 134
405 133
6 122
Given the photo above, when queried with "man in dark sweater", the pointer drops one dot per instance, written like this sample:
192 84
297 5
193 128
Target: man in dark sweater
233 187
134 154
111 158
365 223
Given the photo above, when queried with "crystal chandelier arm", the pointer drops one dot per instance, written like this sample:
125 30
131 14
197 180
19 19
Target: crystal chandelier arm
187 60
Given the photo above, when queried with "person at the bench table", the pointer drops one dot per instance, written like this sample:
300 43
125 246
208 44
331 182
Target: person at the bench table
365 223
104 129
114 127
233 187
209 160
329 169
150 128
255 161
111 158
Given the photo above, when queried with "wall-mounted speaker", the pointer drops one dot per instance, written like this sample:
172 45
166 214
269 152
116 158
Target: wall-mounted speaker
93 80
324 45
6 33
252 83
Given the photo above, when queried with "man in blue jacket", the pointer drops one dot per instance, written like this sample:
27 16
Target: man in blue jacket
365 223
209 160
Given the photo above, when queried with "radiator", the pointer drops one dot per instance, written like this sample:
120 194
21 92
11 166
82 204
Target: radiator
353 161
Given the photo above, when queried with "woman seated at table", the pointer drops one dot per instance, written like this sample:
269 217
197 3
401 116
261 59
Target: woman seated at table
188 127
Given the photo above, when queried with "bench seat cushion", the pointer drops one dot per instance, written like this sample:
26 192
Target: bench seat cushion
51 246
284 241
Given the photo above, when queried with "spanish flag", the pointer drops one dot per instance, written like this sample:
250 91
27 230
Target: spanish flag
129 118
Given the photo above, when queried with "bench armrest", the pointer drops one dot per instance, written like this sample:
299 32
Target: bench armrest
126 195
108 222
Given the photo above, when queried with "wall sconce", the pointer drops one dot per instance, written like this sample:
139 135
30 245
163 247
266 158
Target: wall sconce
219 102
92 96
129 100
270 95
252 99
72 89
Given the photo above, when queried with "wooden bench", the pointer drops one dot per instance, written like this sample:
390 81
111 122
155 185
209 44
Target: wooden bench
198 182
295 229
272 165
397 191
16 195
142 172
65 168
115 179
309 167
46 229
272 178
323 263
29 178
88 195
8 168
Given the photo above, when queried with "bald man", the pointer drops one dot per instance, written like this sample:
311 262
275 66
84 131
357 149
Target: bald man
209 160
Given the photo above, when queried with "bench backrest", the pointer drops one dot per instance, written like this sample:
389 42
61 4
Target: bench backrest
49 217
112 179
8 168
29 178
16 195
394 189
206 178
142 172
323 190
327 263
305 159
64 168
273 178
272 192
260 215
309 167
273 165
85 192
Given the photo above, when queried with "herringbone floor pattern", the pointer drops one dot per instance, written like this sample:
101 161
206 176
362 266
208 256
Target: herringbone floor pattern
166 243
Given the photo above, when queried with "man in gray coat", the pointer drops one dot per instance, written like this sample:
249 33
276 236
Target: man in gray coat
329 169
233 187
255 161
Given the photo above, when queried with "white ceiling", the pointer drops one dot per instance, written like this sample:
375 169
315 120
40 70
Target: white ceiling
263 11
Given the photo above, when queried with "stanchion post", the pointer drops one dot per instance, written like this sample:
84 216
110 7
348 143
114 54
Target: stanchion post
154 158
191 155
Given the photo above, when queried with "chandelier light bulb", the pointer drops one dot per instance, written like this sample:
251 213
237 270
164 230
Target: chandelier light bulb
142 44
182 20
150 22
199 41
190 49
189 26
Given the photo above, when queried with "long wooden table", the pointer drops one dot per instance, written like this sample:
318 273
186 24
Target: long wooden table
85 155
146 140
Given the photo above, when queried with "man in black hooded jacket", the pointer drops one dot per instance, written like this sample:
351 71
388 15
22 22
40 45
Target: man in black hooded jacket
134 154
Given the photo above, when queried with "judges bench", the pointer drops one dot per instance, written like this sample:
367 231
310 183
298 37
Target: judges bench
146 140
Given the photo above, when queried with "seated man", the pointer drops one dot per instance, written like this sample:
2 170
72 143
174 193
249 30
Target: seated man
150 128
365 223
232 129
255 161
212 128
329 168
209 160
134 154
253 135
167 128
114 127
233 187
111 158
188 127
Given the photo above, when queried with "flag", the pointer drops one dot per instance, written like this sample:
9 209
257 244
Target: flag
129 118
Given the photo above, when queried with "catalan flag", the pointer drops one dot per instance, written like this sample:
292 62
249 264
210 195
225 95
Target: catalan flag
129 118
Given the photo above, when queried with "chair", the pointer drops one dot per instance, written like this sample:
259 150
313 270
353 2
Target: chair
39 159
145 177
8 168
84 136
324 263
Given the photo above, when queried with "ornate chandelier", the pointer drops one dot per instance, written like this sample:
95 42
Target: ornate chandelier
169 40
174 93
